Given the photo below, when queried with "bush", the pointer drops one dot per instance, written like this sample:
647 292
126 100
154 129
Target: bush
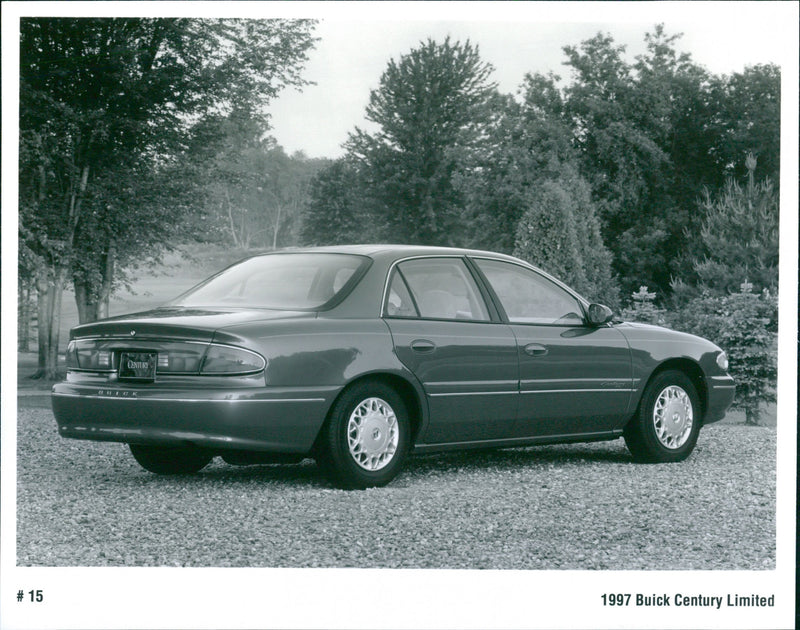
643 309
744 324
560 233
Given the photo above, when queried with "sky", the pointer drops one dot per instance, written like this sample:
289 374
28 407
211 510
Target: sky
354 49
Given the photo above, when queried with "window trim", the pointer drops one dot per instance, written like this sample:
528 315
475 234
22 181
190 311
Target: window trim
399 274
582 302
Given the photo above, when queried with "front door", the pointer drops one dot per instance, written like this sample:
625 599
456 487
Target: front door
574 378
466 362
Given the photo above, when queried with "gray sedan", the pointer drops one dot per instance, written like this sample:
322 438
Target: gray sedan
357 356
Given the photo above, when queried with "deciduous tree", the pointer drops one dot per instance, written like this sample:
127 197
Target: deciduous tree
429 110
523 146
747 119
339 211
103 99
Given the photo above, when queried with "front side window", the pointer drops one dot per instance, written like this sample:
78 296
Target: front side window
285 281
529 298
435 288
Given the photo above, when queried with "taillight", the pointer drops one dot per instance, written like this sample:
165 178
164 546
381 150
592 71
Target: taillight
221 360
178 359
71 356
174 357
86 355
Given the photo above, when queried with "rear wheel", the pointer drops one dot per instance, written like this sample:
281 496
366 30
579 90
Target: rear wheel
667 423
170 460
366 438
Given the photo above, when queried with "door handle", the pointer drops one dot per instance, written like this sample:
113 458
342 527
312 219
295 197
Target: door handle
422 346
535 350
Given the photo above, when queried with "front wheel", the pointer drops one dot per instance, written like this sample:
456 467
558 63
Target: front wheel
366 438
170 460
667 423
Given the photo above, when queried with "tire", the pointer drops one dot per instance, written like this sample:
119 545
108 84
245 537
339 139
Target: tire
366 439
170 460
667 423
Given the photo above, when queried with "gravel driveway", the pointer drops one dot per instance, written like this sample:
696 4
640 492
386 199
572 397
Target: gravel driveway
582 506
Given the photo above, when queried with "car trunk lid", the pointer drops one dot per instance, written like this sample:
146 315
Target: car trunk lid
177 323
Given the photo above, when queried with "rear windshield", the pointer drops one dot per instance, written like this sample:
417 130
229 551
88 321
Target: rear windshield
283 281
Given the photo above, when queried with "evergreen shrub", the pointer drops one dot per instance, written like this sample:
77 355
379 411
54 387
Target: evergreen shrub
744 324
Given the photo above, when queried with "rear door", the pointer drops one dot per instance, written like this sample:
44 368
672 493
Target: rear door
465 358
574 378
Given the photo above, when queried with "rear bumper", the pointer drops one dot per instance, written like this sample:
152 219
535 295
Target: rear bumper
264 419
721 391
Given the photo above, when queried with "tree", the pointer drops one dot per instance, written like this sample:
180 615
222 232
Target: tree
641 134
255 193
524 145
338 210
429 109
652 136
561 234
747 120
643 309
739 237
104 100
286 192
128 224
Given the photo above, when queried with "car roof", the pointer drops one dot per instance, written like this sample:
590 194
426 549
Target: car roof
392 251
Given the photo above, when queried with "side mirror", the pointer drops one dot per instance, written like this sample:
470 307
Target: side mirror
599 314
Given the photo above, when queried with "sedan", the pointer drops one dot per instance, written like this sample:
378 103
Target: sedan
358 356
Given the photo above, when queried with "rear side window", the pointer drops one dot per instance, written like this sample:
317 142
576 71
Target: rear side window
399 302
435 288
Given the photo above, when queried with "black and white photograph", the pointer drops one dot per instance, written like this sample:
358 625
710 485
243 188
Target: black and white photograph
399 315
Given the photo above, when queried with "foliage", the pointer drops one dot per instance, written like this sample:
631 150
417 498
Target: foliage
254 192
650 137
744 324
428 110
547 235
643 309
112 241
746 119
626 120
106 106
560 233
338 212
522 148
739 237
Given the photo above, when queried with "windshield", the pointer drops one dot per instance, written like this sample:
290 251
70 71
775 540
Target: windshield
283 281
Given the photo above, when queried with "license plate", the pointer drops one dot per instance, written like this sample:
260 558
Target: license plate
138 366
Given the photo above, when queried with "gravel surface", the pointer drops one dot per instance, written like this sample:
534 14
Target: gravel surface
580 506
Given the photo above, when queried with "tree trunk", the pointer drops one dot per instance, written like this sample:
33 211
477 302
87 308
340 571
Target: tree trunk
277 227
50 285
25 315
87 305
108 279
232 225
93 301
